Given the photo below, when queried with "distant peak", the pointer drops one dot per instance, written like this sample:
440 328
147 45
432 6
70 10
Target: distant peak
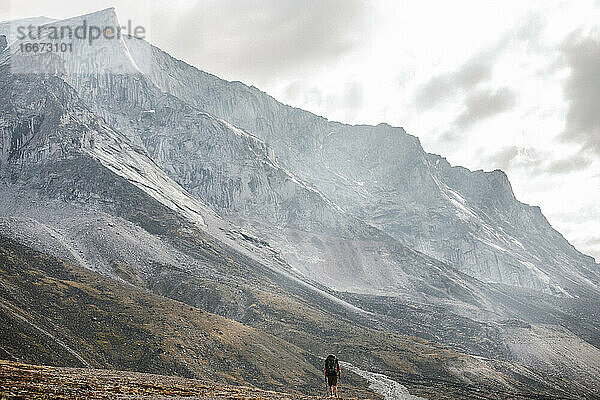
106 16
107 11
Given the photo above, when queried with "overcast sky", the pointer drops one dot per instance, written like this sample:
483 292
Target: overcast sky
488 84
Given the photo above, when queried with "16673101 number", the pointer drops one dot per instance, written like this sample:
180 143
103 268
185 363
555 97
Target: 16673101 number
46 47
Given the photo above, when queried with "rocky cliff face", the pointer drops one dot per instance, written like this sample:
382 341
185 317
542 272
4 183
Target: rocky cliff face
228 168
294 170
239 176
380 174
53 143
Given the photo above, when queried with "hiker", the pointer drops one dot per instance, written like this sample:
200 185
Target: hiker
332 373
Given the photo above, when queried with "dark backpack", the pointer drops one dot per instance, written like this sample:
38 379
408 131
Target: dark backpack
331 366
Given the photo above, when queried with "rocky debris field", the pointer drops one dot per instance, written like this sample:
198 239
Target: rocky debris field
24 381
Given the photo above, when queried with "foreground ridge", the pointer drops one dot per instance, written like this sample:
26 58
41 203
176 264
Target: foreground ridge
25 381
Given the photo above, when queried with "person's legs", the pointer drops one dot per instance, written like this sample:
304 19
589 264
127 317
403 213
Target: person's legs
330 385
333 381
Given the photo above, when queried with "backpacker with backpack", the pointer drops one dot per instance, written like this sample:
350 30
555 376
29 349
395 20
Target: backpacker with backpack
331 365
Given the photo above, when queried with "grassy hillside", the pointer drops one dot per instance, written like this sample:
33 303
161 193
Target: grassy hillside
58 314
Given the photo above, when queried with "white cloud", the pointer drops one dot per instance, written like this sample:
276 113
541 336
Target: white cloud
484 103
261 40
582 90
